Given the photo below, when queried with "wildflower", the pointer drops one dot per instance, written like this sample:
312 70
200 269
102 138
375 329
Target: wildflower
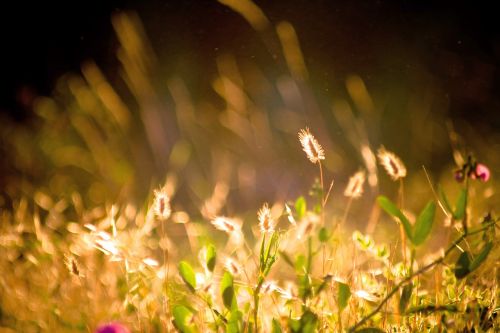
481 172
459 175
266 221
354 187
311 147
392 164
112 328
233 267
225 224
162 205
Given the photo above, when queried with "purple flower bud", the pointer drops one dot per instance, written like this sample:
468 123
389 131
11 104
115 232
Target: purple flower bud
482 172
459 176
112 328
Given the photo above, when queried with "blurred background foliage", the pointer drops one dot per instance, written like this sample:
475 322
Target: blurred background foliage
208 98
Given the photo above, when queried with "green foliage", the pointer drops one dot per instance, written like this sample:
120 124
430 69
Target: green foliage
234 322
461 205
404 300
393 210
444 200
481 257
462 265
343 295
268 254
465 265
187 274
211 257
306 324
227 291
423 225
418 233
183 319
324 235
276 327
300 207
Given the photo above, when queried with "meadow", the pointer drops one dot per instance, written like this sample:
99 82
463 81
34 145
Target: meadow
134 202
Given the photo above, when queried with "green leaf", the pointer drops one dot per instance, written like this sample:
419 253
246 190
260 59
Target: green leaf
324 235
461 205
300 207
187 274
323 284
270 256
478 260
305 288
370 330
227 291
262 260
444 200
423 225
276 326
287 258
343 295
462 265
307 324
211 257
182 319
391 209
300 264
234 324
405 298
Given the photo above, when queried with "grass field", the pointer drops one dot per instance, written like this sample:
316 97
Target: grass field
142 204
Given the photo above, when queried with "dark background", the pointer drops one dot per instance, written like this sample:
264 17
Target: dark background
458 42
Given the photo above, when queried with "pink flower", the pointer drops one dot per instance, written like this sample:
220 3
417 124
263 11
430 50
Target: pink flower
112 328
481 172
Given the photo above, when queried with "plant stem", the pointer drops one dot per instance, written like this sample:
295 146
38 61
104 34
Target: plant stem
401 229
256 299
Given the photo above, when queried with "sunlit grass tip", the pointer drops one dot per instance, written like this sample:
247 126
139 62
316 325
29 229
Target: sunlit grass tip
311 146
354 188
391 163
233 267
266 221
161 204
225 224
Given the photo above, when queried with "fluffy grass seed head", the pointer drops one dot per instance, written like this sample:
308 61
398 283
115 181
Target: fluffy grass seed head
391 163
161 206
233 267
266 221
225 224
311 147
354 188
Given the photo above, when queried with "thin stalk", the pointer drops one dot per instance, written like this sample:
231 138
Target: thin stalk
401 229
256 298
166 255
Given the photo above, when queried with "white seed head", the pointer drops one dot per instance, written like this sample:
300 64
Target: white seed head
266 221
354 188
162 205
225 224
311 147
391 163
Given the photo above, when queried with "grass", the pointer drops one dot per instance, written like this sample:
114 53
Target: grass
207 218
